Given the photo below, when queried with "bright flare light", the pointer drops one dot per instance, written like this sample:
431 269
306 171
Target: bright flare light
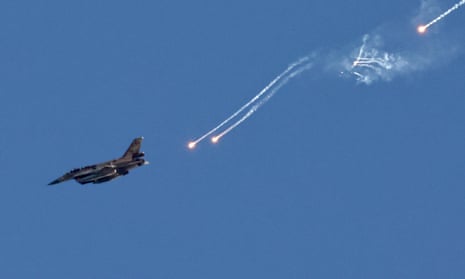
191 145
421 29
263 96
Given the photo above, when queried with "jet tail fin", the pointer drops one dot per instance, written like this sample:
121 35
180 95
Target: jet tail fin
134 148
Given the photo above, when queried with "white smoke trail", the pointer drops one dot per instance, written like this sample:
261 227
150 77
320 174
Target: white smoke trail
372 64
265 99
367 63
423 28
215 139
254 99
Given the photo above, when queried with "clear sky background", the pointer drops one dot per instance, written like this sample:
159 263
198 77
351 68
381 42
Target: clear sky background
331 179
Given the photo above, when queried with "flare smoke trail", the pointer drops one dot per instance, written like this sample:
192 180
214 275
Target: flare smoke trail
368 63
423 28
263 101
372 64
192 144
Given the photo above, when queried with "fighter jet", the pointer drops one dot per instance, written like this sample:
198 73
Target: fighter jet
107 171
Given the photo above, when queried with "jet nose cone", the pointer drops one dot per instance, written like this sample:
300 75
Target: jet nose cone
56 181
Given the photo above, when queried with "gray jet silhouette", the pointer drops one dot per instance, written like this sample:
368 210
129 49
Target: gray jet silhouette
109 170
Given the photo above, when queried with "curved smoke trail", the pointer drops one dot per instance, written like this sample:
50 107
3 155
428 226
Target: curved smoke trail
254 99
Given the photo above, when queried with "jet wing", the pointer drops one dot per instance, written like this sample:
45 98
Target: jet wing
98 175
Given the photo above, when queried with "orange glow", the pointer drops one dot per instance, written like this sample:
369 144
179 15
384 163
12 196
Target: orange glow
215 139
421 29
191 145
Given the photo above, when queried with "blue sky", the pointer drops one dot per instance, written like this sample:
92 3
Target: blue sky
333 178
